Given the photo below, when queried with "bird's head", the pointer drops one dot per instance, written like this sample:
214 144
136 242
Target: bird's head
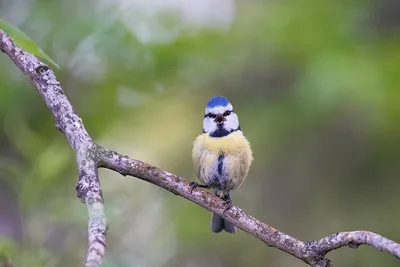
220 119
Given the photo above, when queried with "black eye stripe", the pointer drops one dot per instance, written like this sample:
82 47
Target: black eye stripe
227 113
210 115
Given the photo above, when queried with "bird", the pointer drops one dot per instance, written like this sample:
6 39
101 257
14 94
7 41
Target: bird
221 155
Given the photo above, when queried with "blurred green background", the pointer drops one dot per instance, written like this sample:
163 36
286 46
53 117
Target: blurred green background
316 87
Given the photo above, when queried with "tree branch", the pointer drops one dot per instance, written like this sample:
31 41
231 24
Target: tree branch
91 156
68 122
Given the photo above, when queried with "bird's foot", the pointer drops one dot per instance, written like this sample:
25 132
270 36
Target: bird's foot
194 185
228 205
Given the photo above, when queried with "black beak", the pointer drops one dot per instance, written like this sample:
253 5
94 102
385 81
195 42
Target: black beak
219 119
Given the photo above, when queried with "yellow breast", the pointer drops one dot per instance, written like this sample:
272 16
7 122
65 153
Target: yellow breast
237 157
233 143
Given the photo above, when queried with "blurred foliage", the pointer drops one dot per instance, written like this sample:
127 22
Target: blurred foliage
315 84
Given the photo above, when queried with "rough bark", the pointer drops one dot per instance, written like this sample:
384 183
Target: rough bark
91 156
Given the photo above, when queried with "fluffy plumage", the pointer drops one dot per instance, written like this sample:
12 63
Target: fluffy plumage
221 154
235 152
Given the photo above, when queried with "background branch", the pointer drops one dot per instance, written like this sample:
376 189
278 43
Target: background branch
91 156
68 122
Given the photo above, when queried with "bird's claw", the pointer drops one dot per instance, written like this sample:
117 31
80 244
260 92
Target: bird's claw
228 205
192 185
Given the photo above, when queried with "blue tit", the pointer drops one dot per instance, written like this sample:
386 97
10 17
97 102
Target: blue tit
221 155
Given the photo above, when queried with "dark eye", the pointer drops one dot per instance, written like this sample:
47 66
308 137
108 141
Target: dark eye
210 115
226 113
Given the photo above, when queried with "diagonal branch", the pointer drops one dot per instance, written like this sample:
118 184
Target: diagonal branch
91 156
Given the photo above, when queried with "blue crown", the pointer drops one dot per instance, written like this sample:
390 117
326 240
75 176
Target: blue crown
217 101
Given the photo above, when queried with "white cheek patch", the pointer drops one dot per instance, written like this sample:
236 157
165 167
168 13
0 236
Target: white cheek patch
209 125
232 122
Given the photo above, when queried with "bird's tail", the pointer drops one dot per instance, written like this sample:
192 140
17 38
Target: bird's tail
218 224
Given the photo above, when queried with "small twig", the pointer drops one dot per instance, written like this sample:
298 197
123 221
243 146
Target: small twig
91 156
